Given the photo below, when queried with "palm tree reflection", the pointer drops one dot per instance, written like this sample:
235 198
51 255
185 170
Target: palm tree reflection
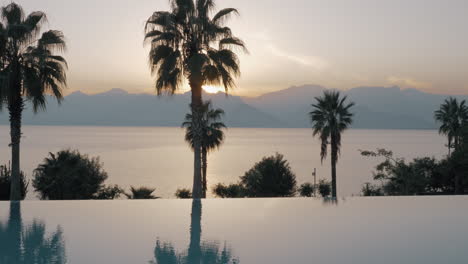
199 252
29 244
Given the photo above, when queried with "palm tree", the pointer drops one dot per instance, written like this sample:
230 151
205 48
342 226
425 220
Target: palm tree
29 70
330 116
141 193
452 116
212 136
188 42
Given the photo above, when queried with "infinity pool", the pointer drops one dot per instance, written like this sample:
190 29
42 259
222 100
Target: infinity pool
353 230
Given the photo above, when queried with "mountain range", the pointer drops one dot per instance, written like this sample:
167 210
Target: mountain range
376 108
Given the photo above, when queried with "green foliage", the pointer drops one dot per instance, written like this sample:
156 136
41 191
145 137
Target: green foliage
109 193
306 189
229 191
330 117
420 176
29 66
324 188
5 183
211 125
271 177
69 175
369 189
452 116
141 193
183 193
186 42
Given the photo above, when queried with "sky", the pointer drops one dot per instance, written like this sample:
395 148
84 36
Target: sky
339 44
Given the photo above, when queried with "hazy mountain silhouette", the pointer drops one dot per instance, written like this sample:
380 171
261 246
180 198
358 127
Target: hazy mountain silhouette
376 107
117 107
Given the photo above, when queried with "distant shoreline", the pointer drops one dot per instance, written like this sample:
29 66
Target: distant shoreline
236 127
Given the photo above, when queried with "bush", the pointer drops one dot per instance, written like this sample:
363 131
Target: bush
183 194
271 177
324 188
109 193
141 193
69 175
229 191
5 183
369 189
306 189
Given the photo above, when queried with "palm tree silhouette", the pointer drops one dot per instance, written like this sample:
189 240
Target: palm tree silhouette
198 252
452 116
28 70
330 116
212 136
29 244
186 41
141 193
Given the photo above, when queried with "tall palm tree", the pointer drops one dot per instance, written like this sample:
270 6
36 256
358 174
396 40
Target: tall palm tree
452 116
212 136
29 70
189 42
330 116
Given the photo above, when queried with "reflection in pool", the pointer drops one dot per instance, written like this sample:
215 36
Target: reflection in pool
28 244
198 252
404 230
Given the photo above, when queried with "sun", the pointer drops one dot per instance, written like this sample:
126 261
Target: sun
213 89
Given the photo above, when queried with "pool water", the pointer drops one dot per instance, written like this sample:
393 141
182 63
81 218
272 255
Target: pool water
352 230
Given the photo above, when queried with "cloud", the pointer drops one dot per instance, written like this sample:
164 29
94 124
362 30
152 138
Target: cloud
408 82
309 61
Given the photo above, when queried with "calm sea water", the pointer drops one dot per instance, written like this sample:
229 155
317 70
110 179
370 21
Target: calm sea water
158 157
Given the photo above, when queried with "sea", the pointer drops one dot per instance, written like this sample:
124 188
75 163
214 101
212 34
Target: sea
158 157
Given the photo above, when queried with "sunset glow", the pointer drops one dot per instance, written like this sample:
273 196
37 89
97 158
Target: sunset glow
213 89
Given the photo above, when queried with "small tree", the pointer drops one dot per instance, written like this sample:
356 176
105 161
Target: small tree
324 188
141 193
5 183
183 193
69 175
229 191
306 189
271 177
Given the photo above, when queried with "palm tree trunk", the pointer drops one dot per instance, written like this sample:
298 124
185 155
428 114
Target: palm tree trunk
449 145
195 250
15 108
334 158
204 167
196 87
14 230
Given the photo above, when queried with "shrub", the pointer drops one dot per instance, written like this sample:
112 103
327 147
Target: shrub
5 183
183 193
141 193
109 193
324 188
69 175
371 190
306 189
271 177
229 191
